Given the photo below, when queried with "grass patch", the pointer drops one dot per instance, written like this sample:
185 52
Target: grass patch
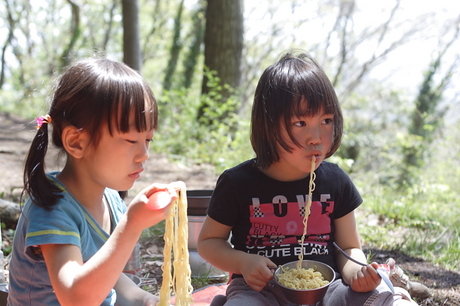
154 232
422 221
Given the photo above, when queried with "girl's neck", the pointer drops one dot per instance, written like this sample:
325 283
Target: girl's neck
86 193
90 197
277 172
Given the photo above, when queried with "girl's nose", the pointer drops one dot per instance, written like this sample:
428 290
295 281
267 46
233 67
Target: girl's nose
143 153
314 136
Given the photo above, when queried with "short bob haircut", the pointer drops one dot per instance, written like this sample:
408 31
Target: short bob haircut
281 93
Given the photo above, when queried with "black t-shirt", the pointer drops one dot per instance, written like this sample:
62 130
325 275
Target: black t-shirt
267 215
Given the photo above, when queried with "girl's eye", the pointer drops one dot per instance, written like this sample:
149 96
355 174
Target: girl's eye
328 121
135 141
300 123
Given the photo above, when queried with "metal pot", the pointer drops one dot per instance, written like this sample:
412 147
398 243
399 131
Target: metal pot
136 279
306 297
198 201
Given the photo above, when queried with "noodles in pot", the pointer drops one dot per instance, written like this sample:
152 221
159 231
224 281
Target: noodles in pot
301 278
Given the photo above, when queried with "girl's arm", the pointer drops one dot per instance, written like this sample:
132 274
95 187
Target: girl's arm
89 283
214 248
129 294
360 279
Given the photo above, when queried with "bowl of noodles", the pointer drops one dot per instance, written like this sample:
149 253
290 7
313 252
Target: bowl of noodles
305 282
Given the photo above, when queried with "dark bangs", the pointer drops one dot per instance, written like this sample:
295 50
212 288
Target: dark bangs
97 92
312 94
123 95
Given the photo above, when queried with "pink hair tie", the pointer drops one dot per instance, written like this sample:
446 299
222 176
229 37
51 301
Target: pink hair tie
43 119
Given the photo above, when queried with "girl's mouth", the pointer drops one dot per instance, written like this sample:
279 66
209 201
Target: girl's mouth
136 175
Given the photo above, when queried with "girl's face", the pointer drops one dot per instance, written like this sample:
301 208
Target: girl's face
118 159
315 135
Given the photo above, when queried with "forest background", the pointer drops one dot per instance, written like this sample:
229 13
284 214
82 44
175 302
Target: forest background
394 65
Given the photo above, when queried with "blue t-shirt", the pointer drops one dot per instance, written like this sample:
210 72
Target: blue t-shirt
67 223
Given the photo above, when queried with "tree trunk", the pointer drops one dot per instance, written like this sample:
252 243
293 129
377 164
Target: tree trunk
223 44
109 26
74 32
176 47
12 24
192 56
131 41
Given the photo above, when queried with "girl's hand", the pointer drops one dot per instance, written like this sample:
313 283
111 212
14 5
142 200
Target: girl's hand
255 271
129 294
150 300
366 279
139 213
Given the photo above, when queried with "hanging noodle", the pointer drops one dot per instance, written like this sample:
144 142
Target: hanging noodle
311 187
301 278
176 248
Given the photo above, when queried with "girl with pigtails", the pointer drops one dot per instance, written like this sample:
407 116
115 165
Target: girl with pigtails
75 234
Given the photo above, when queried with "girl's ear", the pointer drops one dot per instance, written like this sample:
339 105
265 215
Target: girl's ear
75 141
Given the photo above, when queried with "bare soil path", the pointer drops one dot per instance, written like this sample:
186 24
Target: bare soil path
16 134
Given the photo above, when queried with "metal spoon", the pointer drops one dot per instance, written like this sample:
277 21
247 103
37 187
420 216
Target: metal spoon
379 271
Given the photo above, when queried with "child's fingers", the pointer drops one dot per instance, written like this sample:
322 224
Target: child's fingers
372 271
155 187
363 281
172 188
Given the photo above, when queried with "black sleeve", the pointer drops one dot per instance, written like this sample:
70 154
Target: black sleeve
349 196
223 206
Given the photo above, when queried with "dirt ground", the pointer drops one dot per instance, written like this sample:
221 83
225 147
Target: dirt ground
15 137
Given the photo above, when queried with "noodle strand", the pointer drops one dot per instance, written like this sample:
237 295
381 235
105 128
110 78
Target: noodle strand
311 187
301 278
176 249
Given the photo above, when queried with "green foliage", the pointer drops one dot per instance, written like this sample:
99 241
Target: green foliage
412 208
425 120
223 141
